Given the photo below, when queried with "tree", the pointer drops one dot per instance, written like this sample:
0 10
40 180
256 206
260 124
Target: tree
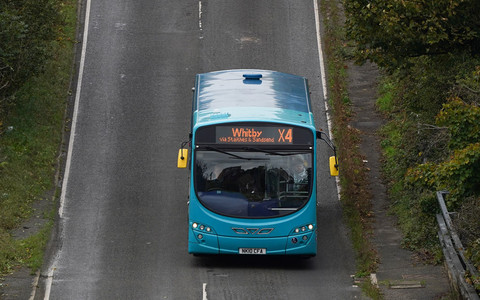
27 27
389 32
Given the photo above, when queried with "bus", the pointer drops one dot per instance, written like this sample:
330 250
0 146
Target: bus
252 160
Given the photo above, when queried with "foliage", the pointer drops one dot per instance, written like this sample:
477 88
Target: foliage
29 148
8 252
467 224
27 28
427 149
391 32
425 85
462 120
430 54
458 172
385 102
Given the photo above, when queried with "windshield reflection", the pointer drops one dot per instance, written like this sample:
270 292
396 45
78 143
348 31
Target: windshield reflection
253 184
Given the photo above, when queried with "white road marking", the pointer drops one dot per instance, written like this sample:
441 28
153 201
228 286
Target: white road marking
320 53
324 81
75 110
200 15
204 297
48 284
49 280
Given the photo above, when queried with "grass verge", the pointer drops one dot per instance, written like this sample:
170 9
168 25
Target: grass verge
355 198
29 149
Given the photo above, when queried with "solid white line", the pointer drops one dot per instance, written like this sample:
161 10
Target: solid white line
324 81
48 283
320 54
204 297
75 110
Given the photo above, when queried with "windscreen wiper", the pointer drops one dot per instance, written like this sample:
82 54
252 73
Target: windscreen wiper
231 154
272 152
283 208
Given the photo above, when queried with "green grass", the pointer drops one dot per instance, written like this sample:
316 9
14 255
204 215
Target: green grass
33 247
371 291
385 103
29 149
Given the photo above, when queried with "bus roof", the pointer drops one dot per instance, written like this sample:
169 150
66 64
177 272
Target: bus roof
251 95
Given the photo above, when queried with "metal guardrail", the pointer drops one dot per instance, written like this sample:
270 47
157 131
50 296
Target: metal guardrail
454 253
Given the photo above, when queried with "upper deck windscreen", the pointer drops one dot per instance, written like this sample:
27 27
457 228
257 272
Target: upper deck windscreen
229 88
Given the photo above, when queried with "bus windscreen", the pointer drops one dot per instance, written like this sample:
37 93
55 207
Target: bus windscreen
252 184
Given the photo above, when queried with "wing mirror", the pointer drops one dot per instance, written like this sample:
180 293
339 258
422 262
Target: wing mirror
182 159
333 161
333 166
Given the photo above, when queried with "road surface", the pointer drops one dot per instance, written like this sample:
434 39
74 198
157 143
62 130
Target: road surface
122 231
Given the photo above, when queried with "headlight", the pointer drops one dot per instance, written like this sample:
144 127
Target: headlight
305 228
202 227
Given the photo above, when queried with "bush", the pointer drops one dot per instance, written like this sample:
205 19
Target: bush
391 33
462 120
457 172
27 27
36 88
467 224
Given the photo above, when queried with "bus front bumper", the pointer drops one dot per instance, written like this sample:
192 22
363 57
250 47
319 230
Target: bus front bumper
296 244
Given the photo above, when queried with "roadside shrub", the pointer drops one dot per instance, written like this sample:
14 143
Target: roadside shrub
416 212
423 156
386 101
467 85
463 122
27 28
459 175
467 224
429 53
390 33
7 252
458 171
36 53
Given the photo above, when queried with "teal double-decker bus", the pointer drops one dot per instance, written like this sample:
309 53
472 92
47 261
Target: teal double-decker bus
253 161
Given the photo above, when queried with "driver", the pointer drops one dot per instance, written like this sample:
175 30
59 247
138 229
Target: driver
300 174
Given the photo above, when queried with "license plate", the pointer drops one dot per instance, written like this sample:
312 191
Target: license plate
252 251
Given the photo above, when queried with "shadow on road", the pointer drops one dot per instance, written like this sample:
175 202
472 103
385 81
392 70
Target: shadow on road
252 262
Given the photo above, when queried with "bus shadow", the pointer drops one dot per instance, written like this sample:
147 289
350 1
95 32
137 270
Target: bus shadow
254 261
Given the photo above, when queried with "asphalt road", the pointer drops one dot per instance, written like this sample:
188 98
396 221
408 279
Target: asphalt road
122 232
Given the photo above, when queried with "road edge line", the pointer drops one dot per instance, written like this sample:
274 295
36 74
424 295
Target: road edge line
49 281
324 82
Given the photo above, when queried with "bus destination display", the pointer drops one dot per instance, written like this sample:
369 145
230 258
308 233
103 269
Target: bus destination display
254 135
